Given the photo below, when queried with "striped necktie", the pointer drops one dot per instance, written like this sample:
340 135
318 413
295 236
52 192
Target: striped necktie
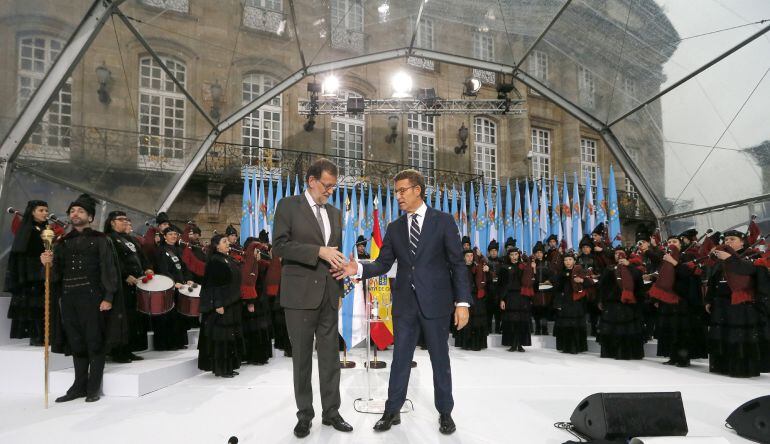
414 235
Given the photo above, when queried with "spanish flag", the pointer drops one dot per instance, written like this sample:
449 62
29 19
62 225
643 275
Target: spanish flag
379 289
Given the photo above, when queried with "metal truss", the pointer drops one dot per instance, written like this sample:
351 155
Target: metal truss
416 106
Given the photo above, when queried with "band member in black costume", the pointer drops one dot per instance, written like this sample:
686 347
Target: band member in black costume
621 289
257 323
132 265
361 248
25 276
170 329
494 261
221 307
738 337
542 303
85 274
570 302
474 336
515 306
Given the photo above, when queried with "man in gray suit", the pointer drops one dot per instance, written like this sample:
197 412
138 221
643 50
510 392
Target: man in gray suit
307 234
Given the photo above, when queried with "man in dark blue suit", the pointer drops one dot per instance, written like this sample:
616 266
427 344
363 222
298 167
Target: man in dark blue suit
431 284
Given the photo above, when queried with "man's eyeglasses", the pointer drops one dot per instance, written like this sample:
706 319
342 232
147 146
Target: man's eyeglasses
401 191
326 187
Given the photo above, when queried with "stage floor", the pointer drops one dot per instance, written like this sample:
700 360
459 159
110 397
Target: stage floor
499 397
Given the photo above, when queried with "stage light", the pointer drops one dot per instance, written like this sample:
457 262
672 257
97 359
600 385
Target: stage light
402 85
310 124
471 86
331 86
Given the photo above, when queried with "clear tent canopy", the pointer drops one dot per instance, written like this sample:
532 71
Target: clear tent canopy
682 90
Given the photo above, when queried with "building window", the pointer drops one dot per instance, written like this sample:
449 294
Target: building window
347 25
485 147
424 40
541 153
588 160
631 189
586 87
50 139
629 87
422 145
264 15
161 115
484 49
261 130
348 141
538 66
182 6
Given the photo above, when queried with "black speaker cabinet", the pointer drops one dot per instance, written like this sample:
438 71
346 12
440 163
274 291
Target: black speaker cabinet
752 420
624 415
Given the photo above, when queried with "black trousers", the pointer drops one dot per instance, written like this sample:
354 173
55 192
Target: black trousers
84 326
304 325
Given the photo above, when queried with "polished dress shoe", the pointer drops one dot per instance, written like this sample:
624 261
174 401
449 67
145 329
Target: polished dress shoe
92 398
387 420
446 424
302 429
338 423
70 397
520 349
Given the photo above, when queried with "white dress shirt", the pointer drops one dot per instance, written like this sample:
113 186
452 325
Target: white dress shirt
420 212
324 217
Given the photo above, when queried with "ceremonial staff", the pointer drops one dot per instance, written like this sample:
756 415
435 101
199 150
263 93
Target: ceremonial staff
47 235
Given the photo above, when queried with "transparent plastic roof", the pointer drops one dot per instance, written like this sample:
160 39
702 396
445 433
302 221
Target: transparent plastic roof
704 143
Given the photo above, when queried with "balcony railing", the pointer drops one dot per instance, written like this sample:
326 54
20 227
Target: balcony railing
348 39
181 6
261 19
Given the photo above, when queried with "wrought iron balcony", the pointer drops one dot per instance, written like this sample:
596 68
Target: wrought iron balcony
262 19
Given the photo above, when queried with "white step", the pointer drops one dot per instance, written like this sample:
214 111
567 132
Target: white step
549 341
158 370
22 367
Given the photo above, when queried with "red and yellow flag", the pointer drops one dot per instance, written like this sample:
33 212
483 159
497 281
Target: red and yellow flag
379 289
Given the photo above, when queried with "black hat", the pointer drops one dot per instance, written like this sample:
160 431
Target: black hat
162 217
570 253
512 249
642 235
32 204
691 234
361 240
110 217
466 240
493 245
263 237
586 241
734 233
171 228
599 229
215 241
195 229
510 243
538 247
85 202
230 230
552 237
466 251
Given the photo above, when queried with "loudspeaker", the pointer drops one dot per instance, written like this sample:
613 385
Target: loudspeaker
752 420
355 105
625 415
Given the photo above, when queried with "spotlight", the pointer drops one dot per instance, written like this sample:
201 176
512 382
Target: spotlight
402 85
313 87
330 86
471 86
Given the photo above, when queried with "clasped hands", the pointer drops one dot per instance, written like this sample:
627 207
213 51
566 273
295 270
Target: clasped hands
340 266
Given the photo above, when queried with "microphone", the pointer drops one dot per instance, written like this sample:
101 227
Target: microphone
11 210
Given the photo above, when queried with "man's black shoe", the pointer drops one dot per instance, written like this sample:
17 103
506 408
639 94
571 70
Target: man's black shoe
92 398
338 423
134 357
387 420
302 429
446 424
69 397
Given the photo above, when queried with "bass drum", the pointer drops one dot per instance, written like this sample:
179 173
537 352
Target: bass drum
156 296
190 300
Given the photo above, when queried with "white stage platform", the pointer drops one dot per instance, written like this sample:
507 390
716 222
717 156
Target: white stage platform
499 397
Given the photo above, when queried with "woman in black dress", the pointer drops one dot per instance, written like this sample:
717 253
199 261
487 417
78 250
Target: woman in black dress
570 302
218 350
517 308
621 290
25 275
258 347
170 329
474 335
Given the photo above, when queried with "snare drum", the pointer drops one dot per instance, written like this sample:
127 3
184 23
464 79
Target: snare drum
156 296
190 300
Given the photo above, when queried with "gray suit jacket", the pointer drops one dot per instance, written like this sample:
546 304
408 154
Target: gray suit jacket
296 240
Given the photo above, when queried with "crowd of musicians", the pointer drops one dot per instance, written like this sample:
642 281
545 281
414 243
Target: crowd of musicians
705 297
698 298
108 291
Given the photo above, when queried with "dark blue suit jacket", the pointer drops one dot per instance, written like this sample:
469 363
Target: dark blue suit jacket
438 271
